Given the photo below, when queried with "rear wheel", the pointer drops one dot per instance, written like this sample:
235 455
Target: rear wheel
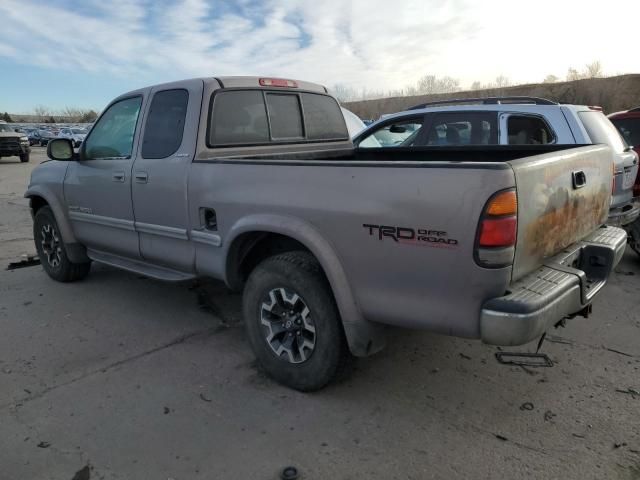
51 250
293 323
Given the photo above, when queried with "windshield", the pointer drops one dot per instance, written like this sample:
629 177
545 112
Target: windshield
629 128
5 128
601 130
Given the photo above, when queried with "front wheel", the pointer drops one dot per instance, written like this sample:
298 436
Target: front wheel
293 323
51 250
24 158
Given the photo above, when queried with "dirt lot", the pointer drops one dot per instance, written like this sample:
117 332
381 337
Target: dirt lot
121 377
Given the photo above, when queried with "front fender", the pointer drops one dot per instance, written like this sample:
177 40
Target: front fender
363 337
75 251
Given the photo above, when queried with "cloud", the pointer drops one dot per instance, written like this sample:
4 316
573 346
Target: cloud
377 44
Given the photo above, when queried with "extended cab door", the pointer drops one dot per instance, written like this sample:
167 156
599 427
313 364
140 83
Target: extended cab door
160 174
97 188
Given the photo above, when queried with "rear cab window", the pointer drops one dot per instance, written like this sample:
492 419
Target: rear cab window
247 117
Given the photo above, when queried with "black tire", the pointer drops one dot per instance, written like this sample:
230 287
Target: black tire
634 236
51 250
297 273
24 158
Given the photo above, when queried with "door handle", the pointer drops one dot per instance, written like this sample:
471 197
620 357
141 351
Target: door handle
118 176
142 177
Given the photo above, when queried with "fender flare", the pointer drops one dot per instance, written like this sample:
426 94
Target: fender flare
75 251
364 337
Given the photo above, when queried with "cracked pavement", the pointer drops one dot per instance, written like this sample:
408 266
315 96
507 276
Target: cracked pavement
121 377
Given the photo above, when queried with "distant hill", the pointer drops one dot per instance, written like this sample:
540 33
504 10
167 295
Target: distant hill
612 94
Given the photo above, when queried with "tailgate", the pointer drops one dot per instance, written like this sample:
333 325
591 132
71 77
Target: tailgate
562 197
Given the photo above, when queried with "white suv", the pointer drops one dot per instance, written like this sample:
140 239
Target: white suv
511 121
76 135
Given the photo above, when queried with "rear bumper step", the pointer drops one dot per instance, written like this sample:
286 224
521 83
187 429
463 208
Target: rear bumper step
563 287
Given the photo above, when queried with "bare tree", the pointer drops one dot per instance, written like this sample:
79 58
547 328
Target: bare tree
430 84
41 112
476 85
344 93
502 81
573 74
88 116
72 114
550 79
593 70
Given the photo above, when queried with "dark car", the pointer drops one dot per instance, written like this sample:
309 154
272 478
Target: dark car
40 137
628 124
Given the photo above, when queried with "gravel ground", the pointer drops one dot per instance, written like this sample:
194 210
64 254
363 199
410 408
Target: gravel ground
121 377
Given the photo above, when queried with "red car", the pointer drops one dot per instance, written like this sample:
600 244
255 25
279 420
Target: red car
628 124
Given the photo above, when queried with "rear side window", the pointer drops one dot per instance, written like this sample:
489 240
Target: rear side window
629 128
601 130
528 130
463 128
257 117
165 124
285 115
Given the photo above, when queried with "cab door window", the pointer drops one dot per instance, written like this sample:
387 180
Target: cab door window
112 135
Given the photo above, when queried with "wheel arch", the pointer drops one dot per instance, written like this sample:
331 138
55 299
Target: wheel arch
256 237
41 197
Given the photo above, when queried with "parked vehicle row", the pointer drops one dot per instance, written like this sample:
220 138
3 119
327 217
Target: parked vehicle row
256 182
628 124
41 134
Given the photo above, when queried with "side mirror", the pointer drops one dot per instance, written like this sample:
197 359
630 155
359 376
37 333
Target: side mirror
397 129
60 149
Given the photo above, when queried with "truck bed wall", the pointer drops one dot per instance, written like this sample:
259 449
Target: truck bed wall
428 281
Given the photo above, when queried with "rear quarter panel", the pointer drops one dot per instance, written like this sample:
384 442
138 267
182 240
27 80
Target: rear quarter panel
414 283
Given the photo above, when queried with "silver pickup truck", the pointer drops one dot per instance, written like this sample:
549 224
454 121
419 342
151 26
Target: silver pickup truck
254 181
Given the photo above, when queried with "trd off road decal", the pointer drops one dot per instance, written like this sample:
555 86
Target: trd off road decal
412 236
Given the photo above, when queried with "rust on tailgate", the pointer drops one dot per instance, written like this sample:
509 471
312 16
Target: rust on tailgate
567 218
553 212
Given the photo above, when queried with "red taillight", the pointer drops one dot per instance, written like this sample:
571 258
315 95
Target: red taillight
498 232
277 82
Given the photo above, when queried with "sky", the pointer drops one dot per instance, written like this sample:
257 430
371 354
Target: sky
82 53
